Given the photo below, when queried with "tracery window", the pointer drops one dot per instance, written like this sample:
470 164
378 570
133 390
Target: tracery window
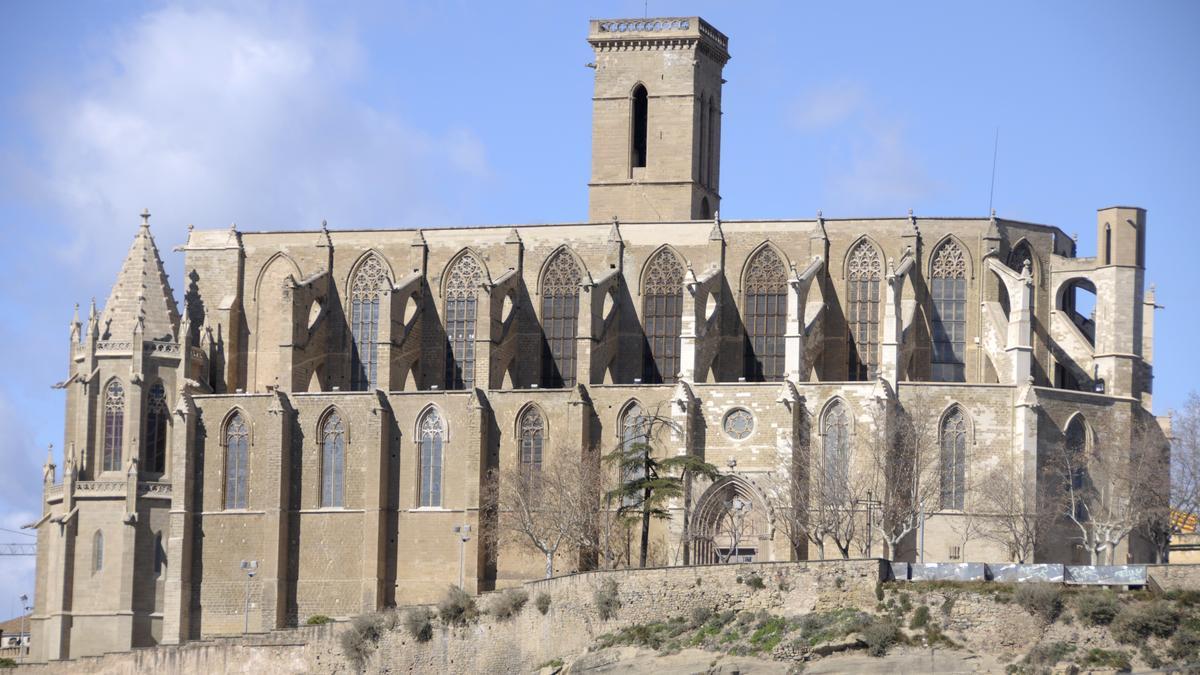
114 425
532 438
560 319
431 436
954 459
635 437
948 289
662 311
157 417
237 456
97 551
836 454
463 281
864 272
333 462
766 316
1077 457
366 290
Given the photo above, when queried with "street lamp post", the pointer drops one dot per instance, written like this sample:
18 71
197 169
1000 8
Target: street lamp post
464 535
250 567
22 639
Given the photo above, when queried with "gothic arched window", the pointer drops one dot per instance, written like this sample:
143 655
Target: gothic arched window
662 312
1076 460
835 454
1020 256
114 425
157 417
560 319
431 435
463 281
532 438
366 290
333 462
237 457
954 459
635 441
766 316
864 272
948 290
97 551
640 126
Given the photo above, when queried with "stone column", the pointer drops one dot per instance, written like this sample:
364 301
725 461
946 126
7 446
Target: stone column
375 443
272 572
180 525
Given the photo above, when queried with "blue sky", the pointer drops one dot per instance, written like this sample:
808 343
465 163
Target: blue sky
445 113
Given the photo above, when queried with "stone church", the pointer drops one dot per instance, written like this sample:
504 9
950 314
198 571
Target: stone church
313 431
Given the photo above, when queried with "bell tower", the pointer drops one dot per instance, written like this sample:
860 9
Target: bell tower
656 119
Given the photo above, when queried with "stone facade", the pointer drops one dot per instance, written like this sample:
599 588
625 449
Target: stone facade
329 405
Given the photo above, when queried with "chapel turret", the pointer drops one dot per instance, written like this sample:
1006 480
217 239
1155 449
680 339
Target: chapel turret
656 119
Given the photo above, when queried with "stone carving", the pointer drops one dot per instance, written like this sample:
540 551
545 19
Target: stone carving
370 279
864 263
664 274
766 273
561 276
464 278
739 423
949 262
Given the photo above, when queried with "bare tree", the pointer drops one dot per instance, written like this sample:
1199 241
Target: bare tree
1172 506
904 468
1109 487
550 510
1015 516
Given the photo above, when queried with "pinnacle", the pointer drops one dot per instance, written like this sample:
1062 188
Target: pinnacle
141 298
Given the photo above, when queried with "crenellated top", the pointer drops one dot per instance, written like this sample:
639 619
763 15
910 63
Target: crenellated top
608 32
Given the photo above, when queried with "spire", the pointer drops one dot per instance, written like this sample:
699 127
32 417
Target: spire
141 297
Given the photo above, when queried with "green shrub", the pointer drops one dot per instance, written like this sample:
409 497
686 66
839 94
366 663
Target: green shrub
1138 621
755 582
769 633
1097 608
318 620
542 602
879 591
419 623
920 617
839 582
905 603
1185 645
608 600
1148 655
745 618
700 616
552 663
457 607
6 662
1048 653
360 637
879 636
508 603
821 627
1044 600
1103 658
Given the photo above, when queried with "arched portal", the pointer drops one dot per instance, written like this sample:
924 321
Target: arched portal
731 523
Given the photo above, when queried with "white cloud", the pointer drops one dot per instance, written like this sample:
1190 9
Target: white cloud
828 106
212 116
872 165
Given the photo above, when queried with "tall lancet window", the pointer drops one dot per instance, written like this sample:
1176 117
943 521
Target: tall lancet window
157 417
954 459
366 291
835 472
97 551
237 456
662 311
333 462
864 272
463 281
948 288
114 426
532 430
640 126
431 435
766 316
560 320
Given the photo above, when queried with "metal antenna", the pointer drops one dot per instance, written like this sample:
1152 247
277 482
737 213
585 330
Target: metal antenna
995 151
